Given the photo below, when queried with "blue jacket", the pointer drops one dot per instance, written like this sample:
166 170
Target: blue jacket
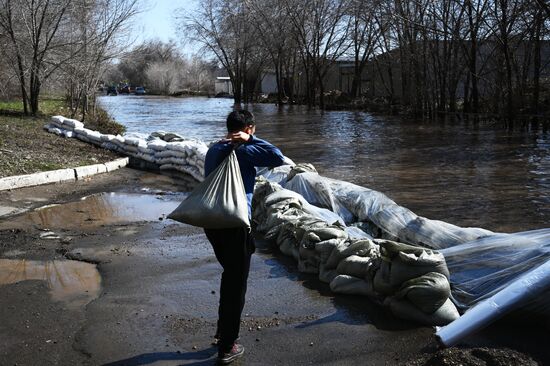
253 153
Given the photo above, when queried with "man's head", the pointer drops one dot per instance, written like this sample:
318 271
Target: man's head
241 120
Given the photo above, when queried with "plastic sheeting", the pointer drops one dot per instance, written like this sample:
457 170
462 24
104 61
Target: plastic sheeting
483 267
358 204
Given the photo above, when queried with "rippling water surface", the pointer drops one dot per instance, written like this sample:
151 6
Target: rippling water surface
464 173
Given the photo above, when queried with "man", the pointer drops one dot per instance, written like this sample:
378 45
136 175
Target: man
233 247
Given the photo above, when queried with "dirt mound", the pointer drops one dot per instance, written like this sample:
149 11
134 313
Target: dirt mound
474 357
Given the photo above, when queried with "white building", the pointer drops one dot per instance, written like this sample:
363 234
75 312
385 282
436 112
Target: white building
223 85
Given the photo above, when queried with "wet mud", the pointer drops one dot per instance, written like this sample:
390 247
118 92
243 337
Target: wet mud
128 287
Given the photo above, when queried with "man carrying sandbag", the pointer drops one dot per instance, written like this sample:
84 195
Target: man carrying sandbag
233 247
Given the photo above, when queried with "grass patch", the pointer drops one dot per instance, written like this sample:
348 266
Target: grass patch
101 121
26 148
47 106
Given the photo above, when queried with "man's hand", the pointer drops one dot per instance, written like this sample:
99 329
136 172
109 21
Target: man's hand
238 137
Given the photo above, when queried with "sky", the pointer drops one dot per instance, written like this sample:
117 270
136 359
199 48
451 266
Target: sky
156 21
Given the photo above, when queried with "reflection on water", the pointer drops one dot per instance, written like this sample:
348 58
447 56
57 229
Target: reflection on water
464 173
104 208
75 283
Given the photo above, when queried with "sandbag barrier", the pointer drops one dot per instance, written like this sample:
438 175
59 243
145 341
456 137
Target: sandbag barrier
482 263
412 282
170 151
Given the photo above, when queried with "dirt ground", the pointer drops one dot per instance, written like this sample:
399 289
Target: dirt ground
99 277
25 148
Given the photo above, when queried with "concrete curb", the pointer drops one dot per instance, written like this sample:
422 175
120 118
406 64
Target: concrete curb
61 175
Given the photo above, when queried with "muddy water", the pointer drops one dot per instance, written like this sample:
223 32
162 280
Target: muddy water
104 209
72 282
470 174
100 209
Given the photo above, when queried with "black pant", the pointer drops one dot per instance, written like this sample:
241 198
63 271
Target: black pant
233 248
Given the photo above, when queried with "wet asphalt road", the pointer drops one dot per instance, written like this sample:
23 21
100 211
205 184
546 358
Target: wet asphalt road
158 290
158 295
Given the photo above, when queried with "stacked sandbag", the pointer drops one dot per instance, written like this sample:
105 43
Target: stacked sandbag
62 126
412 281
170 151
185 156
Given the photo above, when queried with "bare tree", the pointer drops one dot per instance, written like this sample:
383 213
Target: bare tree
224 29
321 29
364 33
95 35
32 28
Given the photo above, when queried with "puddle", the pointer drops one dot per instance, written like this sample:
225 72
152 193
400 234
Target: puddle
72 282
104 208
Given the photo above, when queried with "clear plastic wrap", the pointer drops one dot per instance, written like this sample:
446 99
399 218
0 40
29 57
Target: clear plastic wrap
356 203
483 265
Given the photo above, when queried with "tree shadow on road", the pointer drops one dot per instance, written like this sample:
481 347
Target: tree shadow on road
197 358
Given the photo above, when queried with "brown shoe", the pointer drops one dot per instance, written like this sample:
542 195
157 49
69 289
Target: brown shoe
235 352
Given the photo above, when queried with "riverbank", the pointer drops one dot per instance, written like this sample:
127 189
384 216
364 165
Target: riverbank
158 290
26 148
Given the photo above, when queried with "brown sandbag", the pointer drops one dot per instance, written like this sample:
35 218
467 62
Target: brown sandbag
407 266
408 261
326 275
355 266
381 280
428 292
404 309
350 285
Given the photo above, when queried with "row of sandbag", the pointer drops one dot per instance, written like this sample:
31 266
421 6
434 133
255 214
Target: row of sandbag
379 216
413 282
168 150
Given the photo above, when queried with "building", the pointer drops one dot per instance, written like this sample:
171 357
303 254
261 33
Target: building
223 85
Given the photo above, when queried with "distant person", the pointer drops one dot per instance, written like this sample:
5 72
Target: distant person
233 247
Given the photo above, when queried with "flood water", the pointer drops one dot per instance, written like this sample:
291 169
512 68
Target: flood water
73 282
469 174
104 209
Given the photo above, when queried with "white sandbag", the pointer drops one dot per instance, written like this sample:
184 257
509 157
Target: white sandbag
55 130
169 153
132 141
57 119
348 248
72 123
408 261
145 150
147 157
67 133
325 249
129 149
107 137
157 145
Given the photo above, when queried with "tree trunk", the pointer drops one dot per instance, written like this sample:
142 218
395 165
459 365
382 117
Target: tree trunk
537 63
356 77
